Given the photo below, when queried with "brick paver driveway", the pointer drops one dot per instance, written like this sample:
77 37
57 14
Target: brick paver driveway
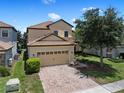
63 79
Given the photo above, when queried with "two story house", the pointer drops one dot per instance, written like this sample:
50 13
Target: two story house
52 42
8 43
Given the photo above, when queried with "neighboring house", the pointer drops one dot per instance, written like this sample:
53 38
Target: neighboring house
107 52
8 43
52 42
112 53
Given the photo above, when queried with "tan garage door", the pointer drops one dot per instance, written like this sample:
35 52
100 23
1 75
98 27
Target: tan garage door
53 57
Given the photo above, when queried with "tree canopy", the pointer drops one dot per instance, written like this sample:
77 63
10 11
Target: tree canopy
100 30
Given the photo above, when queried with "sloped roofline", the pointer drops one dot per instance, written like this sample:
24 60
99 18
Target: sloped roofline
48 25
60 20
4 46
45 36
7 26
54 35
10 27
33 26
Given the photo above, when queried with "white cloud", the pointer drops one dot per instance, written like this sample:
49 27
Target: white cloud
54 16
86 9
73 20
48 1
101 11
90 8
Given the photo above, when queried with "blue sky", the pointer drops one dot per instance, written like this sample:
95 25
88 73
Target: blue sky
23 13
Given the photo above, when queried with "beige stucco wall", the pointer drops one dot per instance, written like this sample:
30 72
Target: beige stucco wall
60 59
61 27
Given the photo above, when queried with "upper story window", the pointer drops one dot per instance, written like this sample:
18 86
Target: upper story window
56 33
5 33
66 34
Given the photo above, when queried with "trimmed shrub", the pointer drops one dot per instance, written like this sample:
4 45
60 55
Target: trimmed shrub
4 71
32 65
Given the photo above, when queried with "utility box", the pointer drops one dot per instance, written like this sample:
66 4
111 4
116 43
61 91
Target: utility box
10 62
12 85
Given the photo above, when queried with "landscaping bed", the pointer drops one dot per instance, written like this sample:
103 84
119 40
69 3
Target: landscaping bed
29 83
112 71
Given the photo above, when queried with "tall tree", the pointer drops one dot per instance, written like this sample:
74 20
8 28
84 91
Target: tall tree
79 33
22 41
24 45
101 31
19 39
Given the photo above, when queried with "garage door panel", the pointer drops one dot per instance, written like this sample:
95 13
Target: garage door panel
54 59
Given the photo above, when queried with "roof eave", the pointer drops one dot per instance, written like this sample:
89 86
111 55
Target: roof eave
50 45
9 27
60 20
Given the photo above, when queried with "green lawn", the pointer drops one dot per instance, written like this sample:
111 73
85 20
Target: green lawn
29 83
114 70
2 84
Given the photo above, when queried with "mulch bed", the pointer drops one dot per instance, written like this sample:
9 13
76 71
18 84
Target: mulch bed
94 67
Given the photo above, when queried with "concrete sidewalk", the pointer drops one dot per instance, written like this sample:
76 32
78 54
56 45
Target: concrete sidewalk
98 89
106 88
115 86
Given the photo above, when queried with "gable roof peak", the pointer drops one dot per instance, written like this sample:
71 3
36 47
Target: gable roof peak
45 25
59 21
45 36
